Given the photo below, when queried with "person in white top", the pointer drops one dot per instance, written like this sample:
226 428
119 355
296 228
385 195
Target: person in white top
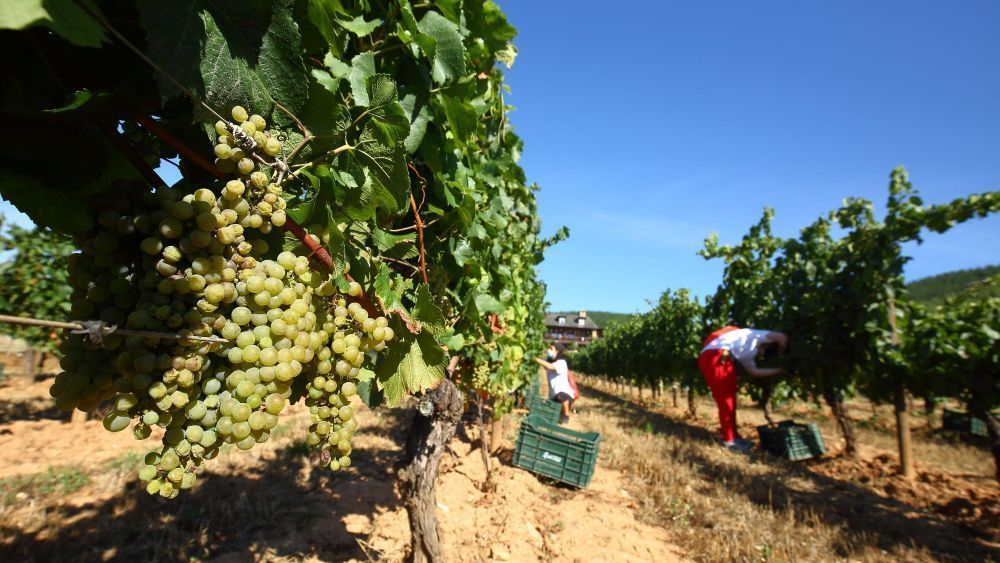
723 350
557 372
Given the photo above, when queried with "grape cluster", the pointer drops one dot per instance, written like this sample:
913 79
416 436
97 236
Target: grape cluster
194 265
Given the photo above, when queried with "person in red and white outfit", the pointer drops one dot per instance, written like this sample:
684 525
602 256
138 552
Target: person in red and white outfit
717 361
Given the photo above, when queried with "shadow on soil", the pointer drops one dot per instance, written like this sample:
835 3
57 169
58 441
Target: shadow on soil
859 511
270 506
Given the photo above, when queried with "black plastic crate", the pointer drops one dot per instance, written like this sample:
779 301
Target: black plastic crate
792 441
553 451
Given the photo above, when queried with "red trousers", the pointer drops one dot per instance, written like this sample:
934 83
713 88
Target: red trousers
721 378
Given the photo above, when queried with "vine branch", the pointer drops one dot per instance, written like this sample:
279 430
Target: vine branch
420 224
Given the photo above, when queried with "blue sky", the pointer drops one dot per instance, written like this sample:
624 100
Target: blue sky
650 124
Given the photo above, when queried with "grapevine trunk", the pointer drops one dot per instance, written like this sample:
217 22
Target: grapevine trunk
428 438
903 434
836 402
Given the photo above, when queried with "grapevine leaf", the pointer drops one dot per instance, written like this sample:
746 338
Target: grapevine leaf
414 364
455 343
322 14
365 375
386 167
463 252
387 116
488 304
362 68
461 116
213 51
449 53
418 116
425 42
337 67
390 287
359 26
44 205
427 312
324 79
65 17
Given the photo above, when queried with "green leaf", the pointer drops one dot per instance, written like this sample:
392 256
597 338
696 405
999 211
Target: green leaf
65 17
387 116
362 68
390 287
359 26
59 210
322 14
418 117
488 304
455 343
413 365
324 79
386 166
449 53
214 51
461 117
463 252
337 67
427 312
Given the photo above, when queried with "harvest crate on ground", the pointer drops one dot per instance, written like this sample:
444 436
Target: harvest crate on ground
544 408
553 451
792 441
961 421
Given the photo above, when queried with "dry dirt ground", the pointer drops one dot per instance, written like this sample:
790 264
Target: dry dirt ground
68 491
663 491
831 508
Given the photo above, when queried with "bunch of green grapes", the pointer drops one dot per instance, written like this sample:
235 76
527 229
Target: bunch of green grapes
356 336
146 144
438 280
194 264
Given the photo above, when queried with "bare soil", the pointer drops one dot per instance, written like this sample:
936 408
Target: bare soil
68 491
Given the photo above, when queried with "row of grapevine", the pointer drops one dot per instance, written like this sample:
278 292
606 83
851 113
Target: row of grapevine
842 300
350 192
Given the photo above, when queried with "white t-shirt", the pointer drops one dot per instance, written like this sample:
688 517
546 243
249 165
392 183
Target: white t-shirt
559 379
742 344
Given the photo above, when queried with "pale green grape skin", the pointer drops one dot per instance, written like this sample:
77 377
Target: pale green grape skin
240 114
147 473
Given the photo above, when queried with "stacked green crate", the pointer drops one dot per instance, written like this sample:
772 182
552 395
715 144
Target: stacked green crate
961 421
545 409
556 452
792 441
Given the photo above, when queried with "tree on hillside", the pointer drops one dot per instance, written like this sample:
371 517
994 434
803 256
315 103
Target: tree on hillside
34 281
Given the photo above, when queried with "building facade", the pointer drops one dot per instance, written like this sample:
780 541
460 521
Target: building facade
573 330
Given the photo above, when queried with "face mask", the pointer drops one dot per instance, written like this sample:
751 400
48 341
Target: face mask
551 355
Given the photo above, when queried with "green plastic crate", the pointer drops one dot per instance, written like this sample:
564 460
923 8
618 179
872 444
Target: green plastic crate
535 388
961 421
547 410
792 441
553 451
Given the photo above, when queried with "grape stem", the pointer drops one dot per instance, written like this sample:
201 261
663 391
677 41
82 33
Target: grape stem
194 156
133 157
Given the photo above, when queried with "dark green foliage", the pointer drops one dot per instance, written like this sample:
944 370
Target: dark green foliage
34 280
933 290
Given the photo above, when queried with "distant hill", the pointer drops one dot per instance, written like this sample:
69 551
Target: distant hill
602 318
934 290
